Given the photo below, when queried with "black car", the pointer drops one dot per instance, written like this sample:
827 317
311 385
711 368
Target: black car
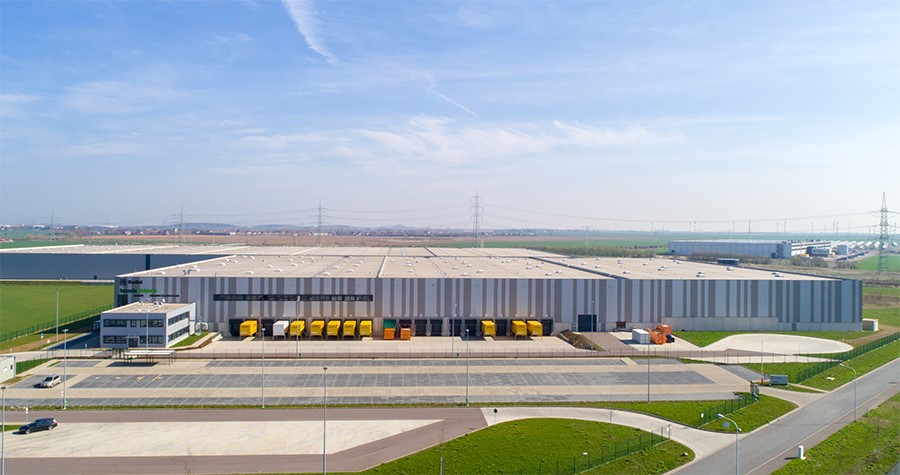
47 423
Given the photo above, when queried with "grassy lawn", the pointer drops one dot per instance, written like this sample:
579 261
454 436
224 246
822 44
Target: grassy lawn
869 445
661 458
885 316
532 446
190 340
23 305
862 364
756 415
21 244
870 263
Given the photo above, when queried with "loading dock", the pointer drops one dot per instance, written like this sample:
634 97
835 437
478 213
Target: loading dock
297 327
488 328
317 328
349 329
248 328
365 328
501 327
519 328
437 326
535 328
421 327
334 328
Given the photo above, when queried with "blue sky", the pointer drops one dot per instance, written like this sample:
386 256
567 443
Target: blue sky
609 114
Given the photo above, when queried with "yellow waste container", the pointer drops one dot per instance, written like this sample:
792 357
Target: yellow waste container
488 328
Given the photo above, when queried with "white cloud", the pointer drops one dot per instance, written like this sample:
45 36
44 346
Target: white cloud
301 12
14 105
118 96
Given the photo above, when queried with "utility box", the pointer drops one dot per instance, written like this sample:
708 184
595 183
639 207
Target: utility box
870 324
7 368
641 337
248 328
280 328
778 379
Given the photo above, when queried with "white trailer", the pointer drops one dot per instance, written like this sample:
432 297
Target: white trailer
280 328
641 337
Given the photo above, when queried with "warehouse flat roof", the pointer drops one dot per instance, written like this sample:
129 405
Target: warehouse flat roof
457 263
673 269
149 307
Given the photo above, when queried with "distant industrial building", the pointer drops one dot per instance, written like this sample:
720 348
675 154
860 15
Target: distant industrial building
752 248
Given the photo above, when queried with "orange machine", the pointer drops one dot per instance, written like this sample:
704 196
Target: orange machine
664 329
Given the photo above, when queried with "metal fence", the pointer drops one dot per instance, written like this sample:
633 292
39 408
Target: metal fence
724 407
838 358
46 326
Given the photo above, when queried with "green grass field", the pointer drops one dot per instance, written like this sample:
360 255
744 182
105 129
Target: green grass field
870 263
25 304
703 339
22 244
536 446
840 375
870 445
569 243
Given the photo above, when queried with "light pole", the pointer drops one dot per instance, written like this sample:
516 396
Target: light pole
3 434
298 339
854 388
467 367
57 315
65 365
324 416
648 373
452 336
262 386
736 430
147 324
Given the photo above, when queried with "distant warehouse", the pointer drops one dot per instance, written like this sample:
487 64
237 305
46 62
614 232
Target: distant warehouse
750 248
441 291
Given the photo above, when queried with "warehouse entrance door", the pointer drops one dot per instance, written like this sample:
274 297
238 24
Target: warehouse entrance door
587 323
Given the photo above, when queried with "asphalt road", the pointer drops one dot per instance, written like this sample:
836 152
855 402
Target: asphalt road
771 447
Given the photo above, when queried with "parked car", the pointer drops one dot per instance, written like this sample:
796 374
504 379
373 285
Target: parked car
51 381
47 423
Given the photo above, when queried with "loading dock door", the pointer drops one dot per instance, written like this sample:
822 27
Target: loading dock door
234 326
421 327
502 327
456 327
587 323
437 326
472 326
547 324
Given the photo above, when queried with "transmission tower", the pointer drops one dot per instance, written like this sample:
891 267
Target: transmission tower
477 209
181 225
319 225
883 239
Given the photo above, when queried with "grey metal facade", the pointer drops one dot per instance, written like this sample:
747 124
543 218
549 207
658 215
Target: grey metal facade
688 304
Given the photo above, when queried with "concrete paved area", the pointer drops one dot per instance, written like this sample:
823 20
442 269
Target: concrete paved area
301 382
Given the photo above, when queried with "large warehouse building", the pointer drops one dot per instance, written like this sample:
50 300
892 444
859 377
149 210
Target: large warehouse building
773 249
436 291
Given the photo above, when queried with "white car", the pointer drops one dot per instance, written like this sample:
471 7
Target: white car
51 381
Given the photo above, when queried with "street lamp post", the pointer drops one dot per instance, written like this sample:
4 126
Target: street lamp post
2 434
262 386
57 315
736 431
854 388
467 367
452 335
65 365
324 416
147 324
648 373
